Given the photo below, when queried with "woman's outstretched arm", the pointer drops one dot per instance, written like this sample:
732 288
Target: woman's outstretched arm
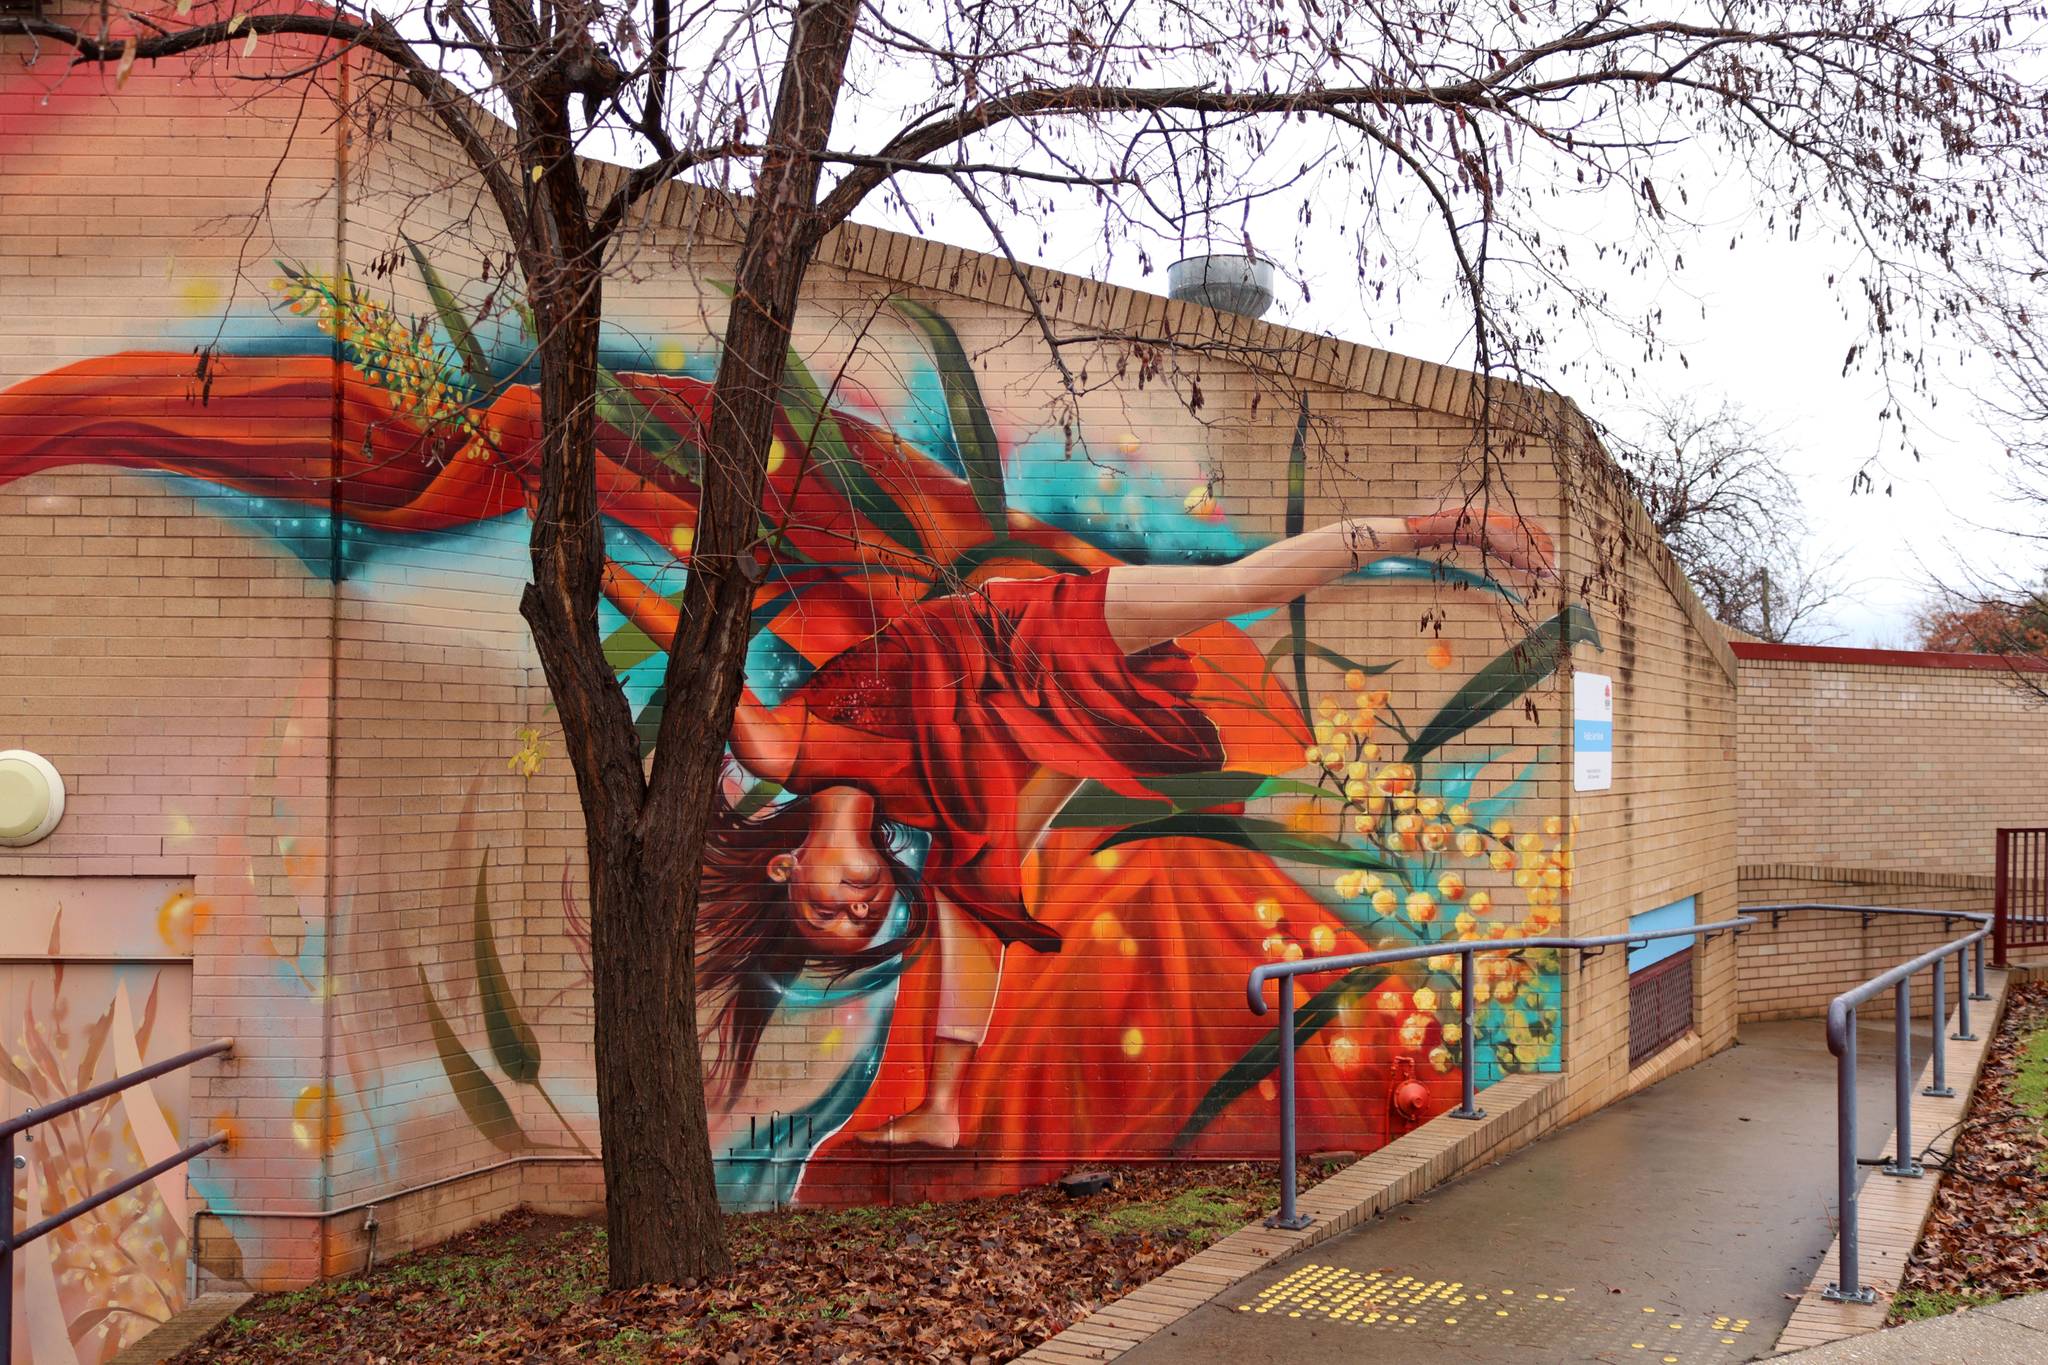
1147 604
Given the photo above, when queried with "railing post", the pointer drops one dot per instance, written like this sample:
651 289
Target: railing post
1962 1033
1998 896
1903 1165
1468 1050
1287 1217
7 1253
1850 1287
1938 1038
1980 993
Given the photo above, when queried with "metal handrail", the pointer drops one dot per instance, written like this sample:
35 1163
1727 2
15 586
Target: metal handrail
1285 972
12 1241
1841 1034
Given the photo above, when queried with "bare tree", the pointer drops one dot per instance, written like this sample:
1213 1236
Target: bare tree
1716 490
1985 607
1914 130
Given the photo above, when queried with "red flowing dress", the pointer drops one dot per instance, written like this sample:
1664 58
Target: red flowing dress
948 711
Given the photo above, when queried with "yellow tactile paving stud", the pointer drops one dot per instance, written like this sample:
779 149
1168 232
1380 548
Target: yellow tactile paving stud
1453 1310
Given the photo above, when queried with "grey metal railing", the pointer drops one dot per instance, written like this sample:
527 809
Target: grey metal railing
1841 1036
12 1241
1285 972
1841 1032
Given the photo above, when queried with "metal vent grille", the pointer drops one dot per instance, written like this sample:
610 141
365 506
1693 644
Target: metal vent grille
1659 1006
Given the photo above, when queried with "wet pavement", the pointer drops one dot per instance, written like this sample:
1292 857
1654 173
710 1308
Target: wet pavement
1671 1227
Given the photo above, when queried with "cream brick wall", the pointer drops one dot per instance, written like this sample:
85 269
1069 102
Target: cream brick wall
1872 778
1877 765
1666 830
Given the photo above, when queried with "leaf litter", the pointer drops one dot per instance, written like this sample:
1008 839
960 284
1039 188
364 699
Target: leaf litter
975 1281
1987 1236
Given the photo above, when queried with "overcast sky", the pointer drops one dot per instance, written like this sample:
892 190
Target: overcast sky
1758 325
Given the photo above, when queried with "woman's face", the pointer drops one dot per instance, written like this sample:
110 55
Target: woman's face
839 881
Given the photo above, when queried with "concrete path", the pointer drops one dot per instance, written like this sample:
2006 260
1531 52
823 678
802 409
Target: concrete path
1721 1210
2014 1332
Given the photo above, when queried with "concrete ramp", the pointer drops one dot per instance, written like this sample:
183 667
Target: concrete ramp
1670 1227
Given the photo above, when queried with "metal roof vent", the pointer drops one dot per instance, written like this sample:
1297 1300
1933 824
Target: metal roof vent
1235 284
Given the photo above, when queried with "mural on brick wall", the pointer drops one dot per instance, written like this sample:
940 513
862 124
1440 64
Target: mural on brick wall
105 1279
1037 759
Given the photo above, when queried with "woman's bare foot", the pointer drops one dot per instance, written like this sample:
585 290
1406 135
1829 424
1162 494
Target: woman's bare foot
918 1128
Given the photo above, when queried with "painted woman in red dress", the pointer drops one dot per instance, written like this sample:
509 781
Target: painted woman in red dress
974 718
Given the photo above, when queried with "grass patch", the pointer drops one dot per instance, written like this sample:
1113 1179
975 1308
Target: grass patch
1204 1209
2030 1081
1913 1305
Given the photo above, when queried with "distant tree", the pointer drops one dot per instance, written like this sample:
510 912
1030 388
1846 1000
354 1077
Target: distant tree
2015 626
1715 488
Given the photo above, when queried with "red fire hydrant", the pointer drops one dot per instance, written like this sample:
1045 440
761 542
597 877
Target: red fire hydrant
1407 1097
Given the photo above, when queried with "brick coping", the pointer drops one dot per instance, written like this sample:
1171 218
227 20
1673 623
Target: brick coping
1890 1212
1851 874
1518 1111
184 1328
1761 651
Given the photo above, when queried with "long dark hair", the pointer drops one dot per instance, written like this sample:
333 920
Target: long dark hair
749 949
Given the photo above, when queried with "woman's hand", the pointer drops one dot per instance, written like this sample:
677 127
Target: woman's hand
1498 535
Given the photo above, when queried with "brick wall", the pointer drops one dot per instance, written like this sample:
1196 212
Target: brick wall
315 698
1666 829
1872 778
1792 968
1852 761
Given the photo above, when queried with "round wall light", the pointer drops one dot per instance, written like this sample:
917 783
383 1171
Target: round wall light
31 797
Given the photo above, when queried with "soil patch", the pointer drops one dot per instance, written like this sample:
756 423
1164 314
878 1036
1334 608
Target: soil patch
981 1280
1987 1237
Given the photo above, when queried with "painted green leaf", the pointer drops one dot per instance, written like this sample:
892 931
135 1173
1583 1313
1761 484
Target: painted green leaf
1297 502
1310 649
1501 683
479 1096
757 798
960 569
1096 806
454 321
1260 836
973 434
803 404
812 419
619 407
628 646
513 1045
647 725
1411 569
1199 791
1262 1057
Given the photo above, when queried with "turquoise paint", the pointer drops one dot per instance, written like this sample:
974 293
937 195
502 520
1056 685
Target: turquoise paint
1676 915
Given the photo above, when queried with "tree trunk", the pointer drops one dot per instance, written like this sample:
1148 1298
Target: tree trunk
661 1196
662 1216
645 835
